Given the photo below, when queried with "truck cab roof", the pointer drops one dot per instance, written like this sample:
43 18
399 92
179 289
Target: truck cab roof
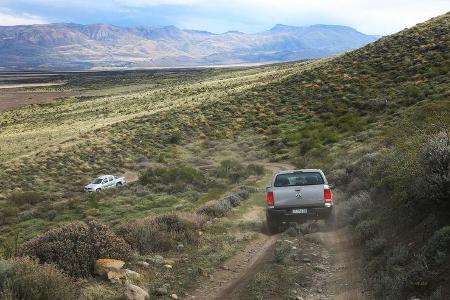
299 170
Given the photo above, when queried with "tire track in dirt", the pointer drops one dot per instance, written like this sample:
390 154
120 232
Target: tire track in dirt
235 273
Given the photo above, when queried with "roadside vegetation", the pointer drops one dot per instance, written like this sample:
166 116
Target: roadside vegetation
376 119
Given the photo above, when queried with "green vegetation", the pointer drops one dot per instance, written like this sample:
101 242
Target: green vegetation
25 279
162 233
376 119
402 221
174 180
75 247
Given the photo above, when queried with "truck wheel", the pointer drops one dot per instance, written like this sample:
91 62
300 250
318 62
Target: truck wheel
272 224
98 190
118 184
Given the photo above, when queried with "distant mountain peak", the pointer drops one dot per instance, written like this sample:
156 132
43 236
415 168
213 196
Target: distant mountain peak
76 46
234 32
281 27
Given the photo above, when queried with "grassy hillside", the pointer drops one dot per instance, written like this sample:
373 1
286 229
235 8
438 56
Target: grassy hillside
351 115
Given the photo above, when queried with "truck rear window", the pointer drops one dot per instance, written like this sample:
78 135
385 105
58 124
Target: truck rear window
298 179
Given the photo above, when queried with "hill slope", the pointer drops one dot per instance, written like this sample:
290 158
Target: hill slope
66 46
369 118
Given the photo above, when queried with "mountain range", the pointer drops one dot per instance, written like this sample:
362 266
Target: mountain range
74 46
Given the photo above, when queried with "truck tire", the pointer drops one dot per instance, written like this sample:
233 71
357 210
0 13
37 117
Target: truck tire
119 184
272 224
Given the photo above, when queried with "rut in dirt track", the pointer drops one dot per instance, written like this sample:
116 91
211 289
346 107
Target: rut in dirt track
234 275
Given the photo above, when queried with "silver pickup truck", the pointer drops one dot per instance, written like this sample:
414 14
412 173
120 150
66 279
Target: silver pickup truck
296 195
104 182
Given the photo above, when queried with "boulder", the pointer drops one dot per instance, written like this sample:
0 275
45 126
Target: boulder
133 292
132 274
103 266
316 238
169 262
162 291
119 276
157 259
143 264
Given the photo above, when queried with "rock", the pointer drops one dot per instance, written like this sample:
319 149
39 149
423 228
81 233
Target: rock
174 296
307 260
162 291
118 276
319 268
143 264
133 292
180 247
169 267
169 262
316 238
203 272
103 266
132 274
157 259
200 233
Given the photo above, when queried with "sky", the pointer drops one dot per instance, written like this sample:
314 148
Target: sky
380 17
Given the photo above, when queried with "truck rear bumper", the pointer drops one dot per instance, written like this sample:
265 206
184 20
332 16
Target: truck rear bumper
287 214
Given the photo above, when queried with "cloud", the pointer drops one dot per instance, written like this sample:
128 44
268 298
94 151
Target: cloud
8 18
368 16
144 3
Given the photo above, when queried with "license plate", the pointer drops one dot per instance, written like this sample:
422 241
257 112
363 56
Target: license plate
300 211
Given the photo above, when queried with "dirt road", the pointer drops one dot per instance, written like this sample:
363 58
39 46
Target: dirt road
237 271
330 261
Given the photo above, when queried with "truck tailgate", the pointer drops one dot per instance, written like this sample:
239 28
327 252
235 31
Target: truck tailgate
299 196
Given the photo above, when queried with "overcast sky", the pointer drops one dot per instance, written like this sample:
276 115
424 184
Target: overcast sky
372 17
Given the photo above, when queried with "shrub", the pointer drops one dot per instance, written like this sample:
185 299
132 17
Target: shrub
22 198
438 246
223 206
355 207
176 179
375 246
367 229
161 233
231 169
256 169
216 209
23 278
75 247
435 159
360 215
399 256
102 292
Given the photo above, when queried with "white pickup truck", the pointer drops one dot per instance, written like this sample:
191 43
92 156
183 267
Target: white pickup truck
104 182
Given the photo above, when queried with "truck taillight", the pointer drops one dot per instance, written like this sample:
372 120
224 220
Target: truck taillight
327 195
269 199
